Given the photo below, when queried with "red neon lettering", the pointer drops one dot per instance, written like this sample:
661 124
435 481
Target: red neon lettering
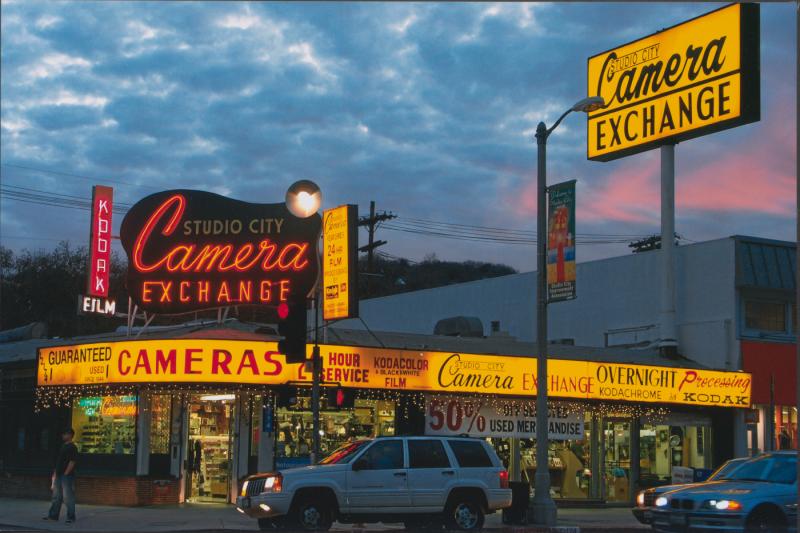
165 288
220 360
122 355
250 359
245 291
138 247
162 361
189 359
688 377
213 257
183 296
265 291
284 283
142 362
276 365
203 288
223 295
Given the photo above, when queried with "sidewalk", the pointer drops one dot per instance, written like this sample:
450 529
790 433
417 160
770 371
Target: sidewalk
26 515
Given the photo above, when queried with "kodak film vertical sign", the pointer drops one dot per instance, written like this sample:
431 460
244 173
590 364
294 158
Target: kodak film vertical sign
100 245
689 80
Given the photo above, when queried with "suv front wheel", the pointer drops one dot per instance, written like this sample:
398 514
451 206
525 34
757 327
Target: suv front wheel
311 515
464 513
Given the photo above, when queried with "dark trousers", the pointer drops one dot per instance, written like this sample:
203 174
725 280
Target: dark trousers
63 492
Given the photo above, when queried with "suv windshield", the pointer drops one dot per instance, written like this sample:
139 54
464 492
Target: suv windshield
344 453
770 468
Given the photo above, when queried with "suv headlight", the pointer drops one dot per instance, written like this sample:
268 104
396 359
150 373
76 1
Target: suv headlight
273 484
661 501
722 505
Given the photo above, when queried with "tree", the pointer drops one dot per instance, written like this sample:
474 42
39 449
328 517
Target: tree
44 286
398 275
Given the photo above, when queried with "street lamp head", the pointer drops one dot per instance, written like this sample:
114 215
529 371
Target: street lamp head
303 198
587 105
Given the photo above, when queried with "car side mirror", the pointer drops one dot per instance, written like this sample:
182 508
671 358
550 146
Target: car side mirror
360 464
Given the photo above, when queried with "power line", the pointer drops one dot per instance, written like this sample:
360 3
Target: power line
79 176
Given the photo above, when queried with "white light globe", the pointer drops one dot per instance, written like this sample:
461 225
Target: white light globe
303 198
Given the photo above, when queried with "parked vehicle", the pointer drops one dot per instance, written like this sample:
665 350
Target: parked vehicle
645 500
415 480
759 495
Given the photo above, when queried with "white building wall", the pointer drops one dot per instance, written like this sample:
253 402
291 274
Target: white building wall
615 296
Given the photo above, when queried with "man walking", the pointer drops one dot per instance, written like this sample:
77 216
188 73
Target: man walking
63 481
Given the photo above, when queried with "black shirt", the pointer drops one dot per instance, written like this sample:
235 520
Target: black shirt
67 453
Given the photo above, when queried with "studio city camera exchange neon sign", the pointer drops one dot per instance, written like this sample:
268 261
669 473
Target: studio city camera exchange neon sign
192 250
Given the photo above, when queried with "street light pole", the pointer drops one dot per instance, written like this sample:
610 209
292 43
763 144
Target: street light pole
542 509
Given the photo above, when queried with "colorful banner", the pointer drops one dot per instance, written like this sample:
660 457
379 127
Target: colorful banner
561 242
689 80
340 263
258 362
514 418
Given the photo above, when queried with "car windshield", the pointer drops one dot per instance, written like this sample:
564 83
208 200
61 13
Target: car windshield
725 470
344 453
770 468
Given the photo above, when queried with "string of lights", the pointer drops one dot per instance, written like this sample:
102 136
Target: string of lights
65 395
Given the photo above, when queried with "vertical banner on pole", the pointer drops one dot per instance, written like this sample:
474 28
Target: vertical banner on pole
561 242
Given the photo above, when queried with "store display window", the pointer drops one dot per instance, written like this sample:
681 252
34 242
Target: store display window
160 410
663 447
364 419
105 424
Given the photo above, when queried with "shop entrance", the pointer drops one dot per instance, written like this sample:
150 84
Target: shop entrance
209 456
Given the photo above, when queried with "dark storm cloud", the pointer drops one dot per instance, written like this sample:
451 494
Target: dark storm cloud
429 109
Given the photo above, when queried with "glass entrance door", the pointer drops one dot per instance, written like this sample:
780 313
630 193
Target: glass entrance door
616 448
209 450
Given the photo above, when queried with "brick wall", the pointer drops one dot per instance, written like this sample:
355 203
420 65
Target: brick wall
124 491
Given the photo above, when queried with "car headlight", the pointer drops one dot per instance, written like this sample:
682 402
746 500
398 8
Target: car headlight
244 489
723 505
640 499
661 501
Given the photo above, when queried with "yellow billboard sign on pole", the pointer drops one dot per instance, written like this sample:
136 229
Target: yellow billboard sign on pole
340 263
689 80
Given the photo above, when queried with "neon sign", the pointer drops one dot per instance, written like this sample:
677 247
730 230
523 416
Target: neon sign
192 250
100 244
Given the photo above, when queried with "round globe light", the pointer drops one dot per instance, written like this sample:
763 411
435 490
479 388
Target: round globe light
303 198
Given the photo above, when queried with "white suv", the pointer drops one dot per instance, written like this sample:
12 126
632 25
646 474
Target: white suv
420 481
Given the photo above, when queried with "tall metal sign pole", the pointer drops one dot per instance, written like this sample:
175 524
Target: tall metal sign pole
668 344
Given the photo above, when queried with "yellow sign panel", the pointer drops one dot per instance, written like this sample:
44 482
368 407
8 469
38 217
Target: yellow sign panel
340 263
692 79
257 362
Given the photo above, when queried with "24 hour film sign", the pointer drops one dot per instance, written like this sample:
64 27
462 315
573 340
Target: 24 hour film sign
465 416
258 362
340 263
695 78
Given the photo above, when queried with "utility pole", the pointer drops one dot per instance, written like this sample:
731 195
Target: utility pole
370 223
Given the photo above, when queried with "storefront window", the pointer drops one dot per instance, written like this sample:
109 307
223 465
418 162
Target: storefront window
786 427
765 316
160 410
663 447
105 424
366 418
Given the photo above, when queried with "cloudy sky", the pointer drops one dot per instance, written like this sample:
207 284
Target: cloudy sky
428 109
